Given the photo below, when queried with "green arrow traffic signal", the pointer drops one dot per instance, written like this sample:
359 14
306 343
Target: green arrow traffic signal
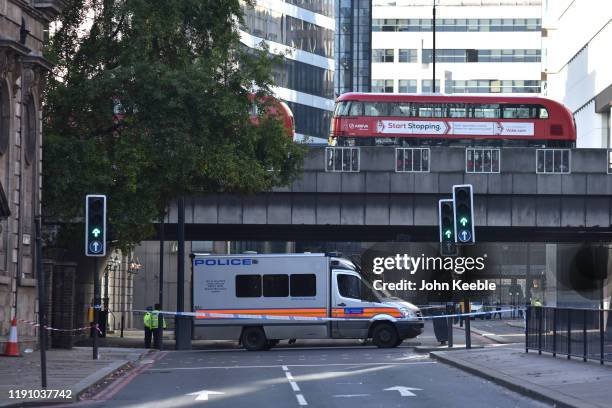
448 233
96 232
463 221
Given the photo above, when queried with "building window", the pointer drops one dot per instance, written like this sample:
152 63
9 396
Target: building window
407 86
274 26
412 160
382 85
407 55
303 284
276 285
457 25
555 161
473 55
479 160
383 55
248 285
342 159
426 86
493 86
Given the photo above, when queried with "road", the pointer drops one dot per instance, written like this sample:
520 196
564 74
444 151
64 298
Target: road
307 376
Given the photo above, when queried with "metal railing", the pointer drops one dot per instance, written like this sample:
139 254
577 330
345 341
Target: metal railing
573 332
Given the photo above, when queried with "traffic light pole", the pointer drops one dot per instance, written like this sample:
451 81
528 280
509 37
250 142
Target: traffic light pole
96 286
468 334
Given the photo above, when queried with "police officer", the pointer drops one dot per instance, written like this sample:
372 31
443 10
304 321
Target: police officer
147 326
157 331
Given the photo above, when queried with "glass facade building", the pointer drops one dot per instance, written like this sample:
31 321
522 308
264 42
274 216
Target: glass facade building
303 31
353 46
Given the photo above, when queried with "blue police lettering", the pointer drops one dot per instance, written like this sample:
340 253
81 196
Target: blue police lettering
225 262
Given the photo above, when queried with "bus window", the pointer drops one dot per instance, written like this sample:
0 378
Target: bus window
375 109
457 111
342 109
486 111
431 111
519 112
543 113
401 109
355 109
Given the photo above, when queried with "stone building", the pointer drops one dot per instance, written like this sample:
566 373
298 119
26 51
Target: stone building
23 27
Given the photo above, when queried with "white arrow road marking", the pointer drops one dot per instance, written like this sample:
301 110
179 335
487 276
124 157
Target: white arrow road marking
203 395
404 391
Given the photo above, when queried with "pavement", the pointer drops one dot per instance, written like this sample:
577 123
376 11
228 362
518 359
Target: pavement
73 370
565 383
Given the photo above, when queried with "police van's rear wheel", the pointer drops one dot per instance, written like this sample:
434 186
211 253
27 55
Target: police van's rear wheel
254 339
384 335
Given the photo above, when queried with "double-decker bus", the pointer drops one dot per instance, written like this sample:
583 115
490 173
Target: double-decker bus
275 108
370 119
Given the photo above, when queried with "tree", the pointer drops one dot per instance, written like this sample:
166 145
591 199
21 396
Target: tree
178 81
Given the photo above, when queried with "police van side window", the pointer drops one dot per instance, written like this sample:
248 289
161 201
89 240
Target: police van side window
349 286
276 285
303 285
248 286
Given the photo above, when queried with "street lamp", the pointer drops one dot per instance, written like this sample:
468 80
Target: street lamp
433 51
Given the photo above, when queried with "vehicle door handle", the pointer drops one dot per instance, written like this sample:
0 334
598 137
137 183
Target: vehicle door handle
341 304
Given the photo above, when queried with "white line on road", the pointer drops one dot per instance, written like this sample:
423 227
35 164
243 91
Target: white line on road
285 368
289 376
301 399
351 395
294 385
166 369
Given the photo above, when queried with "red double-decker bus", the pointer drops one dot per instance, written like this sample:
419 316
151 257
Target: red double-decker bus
369 119
275 108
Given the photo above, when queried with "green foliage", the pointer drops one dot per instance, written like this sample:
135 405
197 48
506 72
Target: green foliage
179 81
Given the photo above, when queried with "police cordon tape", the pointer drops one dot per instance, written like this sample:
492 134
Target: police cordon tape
35 324
313 318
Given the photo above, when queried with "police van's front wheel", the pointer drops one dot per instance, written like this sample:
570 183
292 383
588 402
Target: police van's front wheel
254 339
385 335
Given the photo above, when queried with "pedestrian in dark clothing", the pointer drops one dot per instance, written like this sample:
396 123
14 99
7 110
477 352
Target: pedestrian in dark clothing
155 326
147 327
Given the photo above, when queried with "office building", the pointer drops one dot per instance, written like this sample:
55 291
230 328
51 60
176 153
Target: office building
353 46
303 31
576 64
482 46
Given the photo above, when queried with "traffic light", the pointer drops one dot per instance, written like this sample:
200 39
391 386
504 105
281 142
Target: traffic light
464 213
95 225
446 217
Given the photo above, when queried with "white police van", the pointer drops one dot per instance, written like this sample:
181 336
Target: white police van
261 299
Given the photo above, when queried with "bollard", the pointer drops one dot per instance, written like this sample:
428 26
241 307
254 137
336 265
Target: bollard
601 336
569 334
555 332
584 335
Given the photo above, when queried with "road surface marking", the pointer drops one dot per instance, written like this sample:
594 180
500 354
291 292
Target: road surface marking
289 376
301 399
351 395
294 386
292 365
285 368
203 395
404 391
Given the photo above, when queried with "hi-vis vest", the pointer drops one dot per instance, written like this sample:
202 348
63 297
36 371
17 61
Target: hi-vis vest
151 320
